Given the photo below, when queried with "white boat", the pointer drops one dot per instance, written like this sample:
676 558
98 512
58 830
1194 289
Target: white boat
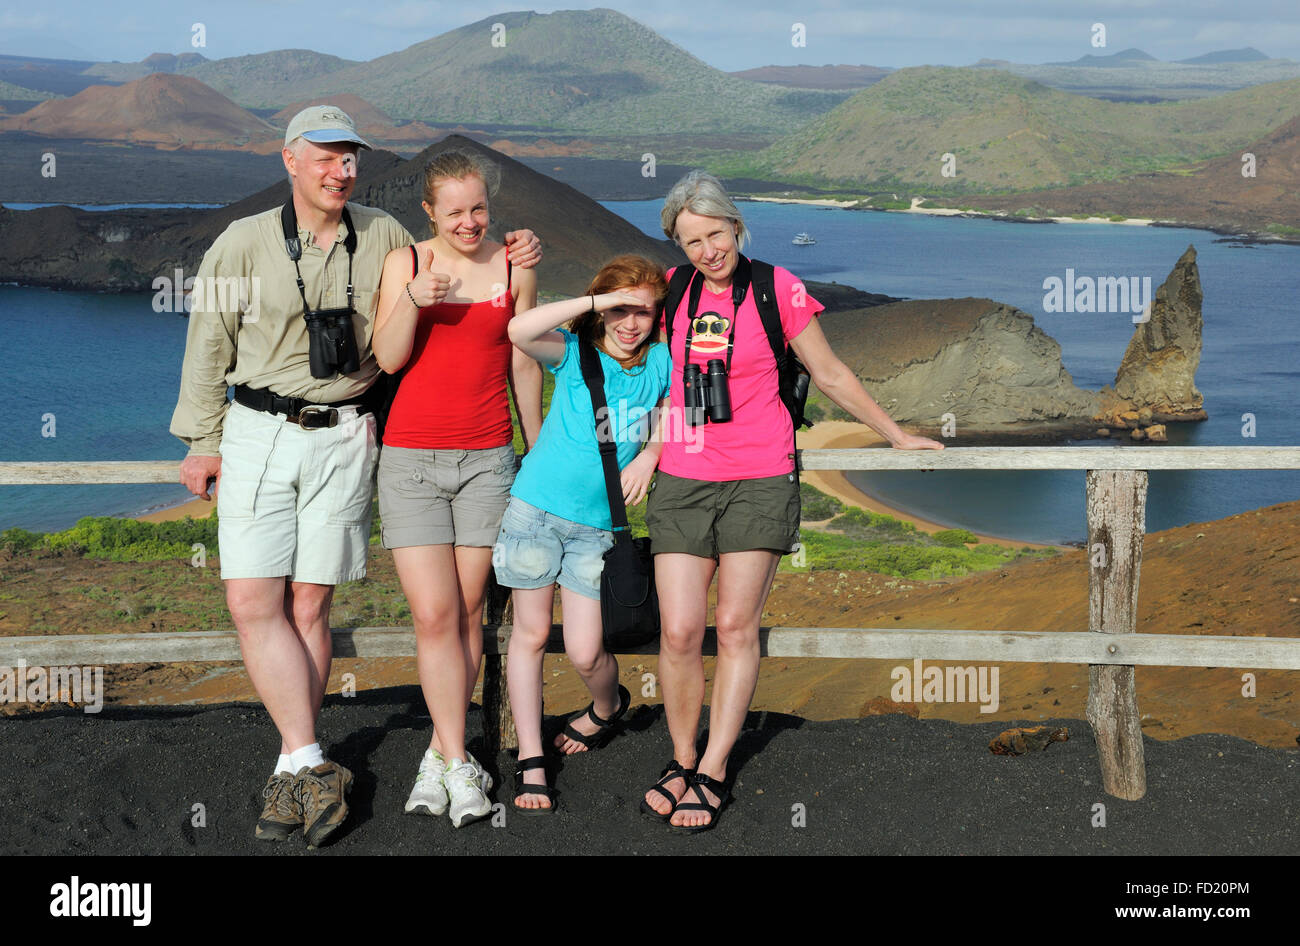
803 239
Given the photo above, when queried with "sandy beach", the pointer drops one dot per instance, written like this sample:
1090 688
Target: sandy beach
916 208
195 508
831 434
811 202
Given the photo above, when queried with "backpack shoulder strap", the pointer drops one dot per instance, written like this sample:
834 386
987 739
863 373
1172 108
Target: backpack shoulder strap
763 281
677 287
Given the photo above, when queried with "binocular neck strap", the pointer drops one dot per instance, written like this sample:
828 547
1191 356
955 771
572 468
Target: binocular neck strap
293 246
739 289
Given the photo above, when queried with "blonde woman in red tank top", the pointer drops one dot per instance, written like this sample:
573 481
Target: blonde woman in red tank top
447 463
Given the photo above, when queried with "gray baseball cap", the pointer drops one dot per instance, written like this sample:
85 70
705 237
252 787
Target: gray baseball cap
323 124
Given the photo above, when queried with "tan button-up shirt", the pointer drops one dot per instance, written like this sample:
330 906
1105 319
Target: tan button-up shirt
246 322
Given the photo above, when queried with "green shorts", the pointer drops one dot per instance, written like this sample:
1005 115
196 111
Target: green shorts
708 519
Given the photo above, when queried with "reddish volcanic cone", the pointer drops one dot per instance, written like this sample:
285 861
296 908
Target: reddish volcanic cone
167 111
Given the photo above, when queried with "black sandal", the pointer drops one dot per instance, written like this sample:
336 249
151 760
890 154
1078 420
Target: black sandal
606 731
695 783
671 771
526 788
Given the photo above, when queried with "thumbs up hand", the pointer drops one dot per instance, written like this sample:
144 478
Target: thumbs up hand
428 288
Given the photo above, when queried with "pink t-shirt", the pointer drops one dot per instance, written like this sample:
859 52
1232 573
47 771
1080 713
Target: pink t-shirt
758 440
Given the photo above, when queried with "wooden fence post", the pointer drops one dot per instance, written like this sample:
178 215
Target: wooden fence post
498 721
1116 523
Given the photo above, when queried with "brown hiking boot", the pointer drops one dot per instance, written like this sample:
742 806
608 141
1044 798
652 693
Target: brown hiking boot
282 813
321 792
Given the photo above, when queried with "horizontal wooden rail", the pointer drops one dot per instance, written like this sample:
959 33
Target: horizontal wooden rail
1071 647
26 473
1115 487
30 473
1055 458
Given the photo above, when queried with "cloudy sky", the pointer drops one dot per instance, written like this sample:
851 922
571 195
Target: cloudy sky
729 36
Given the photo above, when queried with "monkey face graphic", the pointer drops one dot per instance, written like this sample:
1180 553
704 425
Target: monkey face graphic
710 336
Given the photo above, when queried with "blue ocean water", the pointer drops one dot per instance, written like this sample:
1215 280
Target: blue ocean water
1250 361
100 207
108 366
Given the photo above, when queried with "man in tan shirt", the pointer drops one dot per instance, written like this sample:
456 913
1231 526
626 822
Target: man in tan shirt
294 456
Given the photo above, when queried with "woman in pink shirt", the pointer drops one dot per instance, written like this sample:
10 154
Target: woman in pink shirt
726 498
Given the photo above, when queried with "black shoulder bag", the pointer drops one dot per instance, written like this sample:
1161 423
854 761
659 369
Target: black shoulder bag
629 605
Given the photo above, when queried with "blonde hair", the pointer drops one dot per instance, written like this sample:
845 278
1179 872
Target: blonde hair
457 165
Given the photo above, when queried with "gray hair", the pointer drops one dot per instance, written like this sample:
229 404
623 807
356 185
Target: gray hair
298 144
701 193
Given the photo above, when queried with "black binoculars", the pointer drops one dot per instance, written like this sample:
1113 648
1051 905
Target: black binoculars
333 344
707 394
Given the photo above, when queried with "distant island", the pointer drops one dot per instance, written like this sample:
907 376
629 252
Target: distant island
1107 133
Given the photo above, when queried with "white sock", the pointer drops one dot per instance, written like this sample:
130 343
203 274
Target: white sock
283 764
309 756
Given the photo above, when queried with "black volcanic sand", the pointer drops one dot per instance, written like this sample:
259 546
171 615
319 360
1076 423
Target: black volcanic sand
124 782
88 172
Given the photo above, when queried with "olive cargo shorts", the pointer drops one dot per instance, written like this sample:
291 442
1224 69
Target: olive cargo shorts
708 519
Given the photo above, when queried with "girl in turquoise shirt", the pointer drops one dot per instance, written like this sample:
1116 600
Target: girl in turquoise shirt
557 526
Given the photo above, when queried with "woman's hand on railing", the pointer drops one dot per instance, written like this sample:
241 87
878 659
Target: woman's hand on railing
197 471
916 442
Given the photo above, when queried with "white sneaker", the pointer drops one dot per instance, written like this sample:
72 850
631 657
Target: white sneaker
486 780
464 781
429 796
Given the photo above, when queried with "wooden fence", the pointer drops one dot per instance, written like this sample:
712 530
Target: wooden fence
1116 487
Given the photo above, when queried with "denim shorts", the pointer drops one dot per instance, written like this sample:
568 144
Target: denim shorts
536 549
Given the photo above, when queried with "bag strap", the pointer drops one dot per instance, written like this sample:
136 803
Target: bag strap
763 279
594 376
677 287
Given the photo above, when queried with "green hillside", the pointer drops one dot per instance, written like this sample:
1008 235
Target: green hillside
1009 133
591 72
266 80
16 93
1151 79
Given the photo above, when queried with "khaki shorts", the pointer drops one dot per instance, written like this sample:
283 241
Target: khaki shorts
708 519
295 502
444 497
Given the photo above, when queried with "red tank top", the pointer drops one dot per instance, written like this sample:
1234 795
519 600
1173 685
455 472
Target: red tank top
452 395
